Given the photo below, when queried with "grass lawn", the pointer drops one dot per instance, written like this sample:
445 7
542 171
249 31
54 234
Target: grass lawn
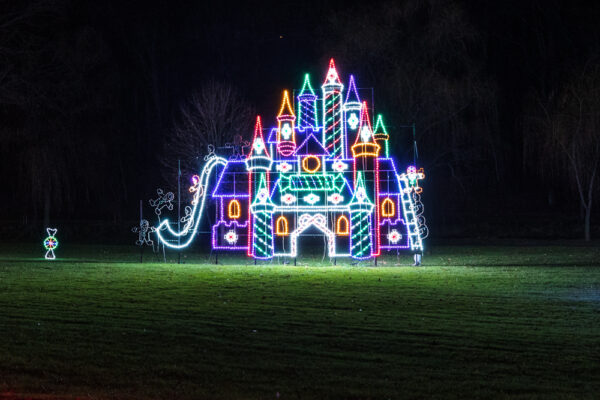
501 322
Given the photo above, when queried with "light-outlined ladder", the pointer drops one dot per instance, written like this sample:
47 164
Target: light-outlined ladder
411 219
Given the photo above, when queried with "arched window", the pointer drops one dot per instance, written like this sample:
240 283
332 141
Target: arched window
342 226
281 226
388 209
234 210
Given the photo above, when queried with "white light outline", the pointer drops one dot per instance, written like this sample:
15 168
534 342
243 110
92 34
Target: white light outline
197 212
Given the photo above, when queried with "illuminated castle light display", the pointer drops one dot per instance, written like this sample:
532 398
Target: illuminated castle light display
324 166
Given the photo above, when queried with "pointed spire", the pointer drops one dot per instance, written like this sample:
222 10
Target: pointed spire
380 127
332 75
306 87
259 147
286 108
365 132
352 95
381 136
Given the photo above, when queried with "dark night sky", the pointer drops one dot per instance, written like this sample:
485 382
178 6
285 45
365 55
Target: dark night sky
144 59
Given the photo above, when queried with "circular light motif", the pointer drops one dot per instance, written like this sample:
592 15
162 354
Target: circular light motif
50 243
394 236
311 164
353 121
231 237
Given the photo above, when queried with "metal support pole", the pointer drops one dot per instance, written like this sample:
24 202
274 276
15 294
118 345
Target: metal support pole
415 153
179 208
142 246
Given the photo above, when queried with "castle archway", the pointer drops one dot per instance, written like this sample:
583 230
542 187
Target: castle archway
320 222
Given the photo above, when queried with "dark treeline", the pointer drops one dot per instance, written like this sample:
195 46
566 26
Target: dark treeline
99 99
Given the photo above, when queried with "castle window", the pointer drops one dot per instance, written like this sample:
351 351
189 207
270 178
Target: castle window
311 164
388 209
281 226
342 226
234 210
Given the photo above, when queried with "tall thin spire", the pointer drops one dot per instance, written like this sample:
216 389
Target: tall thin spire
307 106
352 95
286 137
333 114
381 136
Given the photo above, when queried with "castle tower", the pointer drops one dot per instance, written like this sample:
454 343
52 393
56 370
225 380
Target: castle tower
333 130
286 137
307 106
351 111
381 136
262 221
361 208
258 164
366 160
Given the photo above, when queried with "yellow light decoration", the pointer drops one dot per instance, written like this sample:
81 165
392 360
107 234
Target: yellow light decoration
234 209
342 226
281 226
307 168
388 209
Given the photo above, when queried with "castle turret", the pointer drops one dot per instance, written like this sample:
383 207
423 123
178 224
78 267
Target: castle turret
381 136
258 160
258 165
262 221
286 138
307 106
366 159
361 208
352 108
333 130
